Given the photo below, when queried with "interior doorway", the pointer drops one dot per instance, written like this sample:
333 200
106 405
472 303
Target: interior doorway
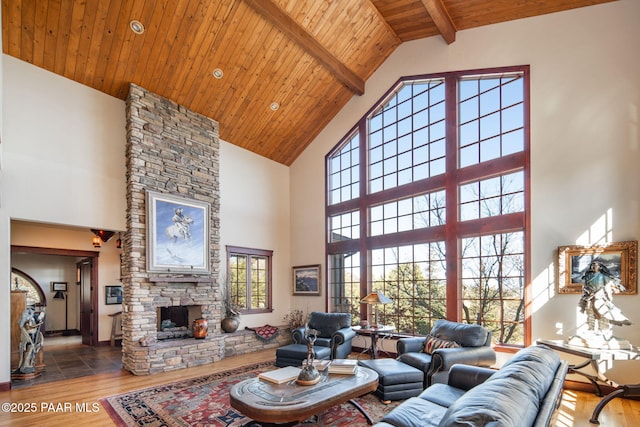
86 284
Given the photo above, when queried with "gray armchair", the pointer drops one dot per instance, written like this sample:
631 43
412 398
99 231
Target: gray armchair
471 346
334 331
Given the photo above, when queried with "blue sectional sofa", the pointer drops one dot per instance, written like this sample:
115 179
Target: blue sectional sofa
526 391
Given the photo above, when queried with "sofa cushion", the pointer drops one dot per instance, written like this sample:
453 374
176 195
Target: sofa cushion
534 366
432 343
415 412
511 396
505 403
465 334
327 323
442 394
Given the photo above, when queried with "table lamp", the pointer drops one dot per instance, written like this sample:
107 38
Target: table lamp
376 298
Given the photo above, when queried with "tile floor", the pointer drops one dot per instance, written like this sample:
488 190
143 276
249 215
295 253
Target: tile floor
67 357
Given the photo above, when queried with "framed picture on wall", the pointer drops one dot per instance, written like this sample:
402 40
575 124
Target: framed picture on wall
177 234
113 295
620 259
306 280
58 286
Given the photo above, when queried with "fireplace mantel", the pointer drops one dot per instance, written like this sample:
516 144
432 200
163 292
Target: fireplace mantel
167 280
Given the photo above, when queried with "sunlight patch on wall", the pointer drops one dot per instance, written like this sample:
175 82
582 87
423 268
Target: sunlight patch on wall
600 232
543 288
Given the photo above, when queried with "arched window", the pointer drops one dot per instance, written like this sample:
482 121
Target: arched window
427 202
23 282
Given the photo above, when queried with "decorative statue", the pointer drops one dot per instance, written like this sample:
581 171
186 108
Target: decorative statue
309 373
31 340
597 302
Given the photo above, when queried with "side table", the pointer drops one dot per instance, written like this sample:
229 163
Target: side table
592 357
374 334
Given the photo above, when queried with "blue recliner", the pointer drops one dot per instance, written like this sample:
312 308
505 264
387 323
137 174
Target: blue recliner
334 332
468 344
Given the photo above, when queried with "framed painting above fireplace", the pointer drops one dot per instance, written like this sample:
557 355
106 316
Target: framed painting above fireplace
177 234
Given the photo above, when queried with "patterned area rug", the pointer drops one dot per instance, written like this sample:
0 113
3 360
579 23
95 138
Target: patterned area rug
204 401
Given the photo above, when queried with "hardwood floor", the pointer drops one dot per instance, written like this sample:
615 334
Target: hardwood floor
56 403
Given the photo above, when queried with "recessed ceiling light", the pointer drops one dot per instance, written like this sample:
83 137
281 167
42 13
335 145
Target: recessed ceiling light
217 73
274 106
136 27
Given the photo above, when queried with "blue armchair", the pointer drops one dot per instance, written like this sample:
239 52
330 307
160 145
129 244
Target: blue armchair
447 343
334 332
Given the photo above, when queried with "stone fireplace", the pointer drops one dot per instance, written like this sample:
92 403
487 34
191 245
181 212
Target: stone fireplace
174 151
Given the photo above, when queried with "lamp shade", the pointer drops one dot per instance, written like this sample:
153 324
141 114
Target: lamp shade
59 295
376 298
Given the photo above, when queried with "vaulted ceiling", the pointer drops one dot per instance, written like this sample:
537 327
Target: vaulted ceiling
287 66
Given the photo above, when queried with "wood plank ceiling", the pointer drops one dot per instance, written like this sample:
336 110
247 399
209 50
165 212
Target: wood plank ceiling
308 56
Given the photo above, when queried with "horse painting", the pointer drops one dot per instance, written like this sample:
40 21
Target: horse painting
180 229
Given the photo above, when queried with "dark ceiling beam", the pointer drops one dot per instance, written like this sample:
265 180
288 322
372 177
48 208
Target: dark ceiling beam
441 18
272 13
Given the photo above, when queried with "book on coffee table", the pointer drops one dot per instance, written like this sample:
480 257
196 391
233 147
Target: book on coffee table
343 366
280 376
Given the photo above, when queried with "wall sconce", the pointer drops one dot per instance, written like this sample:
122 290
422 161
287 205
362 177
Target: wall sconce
101 236
119 242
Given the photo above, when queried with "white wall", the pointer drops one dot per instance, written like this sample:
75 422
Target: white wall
585 95
254 213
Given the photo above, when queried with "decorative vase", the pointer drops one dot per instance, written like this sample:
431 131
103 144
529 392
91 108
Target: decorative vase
200 328
230 324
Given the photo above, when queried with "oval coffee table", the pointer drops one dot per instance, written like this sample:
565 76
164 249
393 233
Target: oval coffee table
267 402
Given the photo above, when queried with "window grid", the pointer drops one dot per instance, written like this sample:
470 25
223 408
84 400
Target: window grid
406 136
413 277
344 282
488 125
249 278
493 196
493 284
423 211
258 282
344 226
491 116
344 173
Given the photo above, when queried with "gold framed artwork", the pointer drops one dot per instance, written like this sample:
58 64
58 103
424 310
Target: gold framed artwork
620 259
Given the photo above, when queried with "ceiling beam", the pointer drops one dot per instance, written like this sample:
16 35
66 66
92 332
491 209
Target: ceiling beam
272 13
441 18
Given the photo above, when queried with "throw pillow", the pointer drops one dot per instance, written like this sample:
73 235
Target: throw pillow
432 343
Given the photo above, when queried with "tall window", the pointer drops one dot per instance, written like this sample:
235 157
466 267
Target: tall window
427 202
249 278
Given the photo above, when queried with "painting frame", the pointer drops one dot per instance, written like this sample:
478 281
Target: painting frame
306 280
620 257
170 249
59 286
113 295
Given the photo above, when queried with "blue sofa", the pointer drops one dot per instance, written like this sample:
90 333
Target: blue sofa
526 391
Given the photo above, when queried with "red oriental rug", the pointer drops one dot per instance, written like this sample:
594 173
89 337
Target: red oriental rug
204 401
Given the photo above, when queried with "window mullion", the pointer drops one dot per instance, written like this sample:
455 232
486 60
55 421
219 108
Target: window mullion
454 300
363 208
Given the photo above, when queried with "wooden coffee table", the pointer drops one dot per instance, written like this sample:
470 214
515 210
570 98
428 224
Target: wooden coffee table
270 403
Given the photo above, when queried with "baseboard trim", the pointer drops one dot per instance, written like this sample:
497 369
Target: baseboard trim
5 386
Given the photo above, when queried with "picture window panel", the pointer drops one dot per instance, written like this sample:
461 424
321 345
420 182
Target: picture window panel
408 139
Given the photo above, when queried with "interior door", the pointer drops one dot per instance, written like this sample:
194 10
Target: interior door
85 275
